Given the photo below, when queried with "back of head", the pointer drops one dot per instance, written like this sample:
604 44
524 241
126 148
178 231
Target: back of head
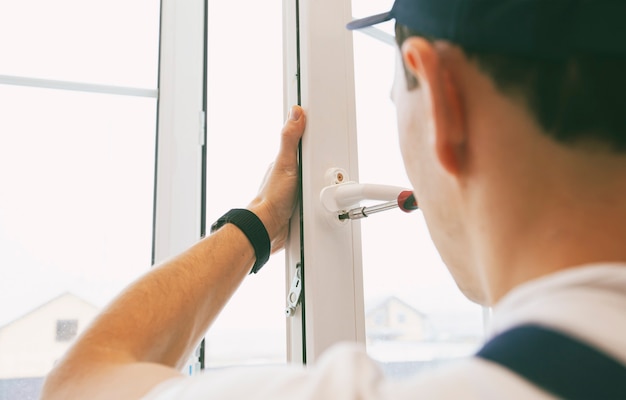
564 59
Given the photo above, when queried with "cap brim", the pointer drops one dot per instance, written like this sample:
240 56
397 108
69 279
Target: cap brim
369 21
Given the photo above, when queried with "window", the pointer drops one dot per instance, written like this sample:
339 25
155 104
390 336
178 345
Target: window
77 154
66 330
329 249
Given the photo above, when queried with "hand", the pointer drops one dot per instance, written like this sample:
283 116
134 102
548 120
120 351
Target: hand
278 194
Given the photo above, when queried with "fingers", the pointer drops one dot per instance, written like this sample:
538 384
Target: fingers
291 135
294 127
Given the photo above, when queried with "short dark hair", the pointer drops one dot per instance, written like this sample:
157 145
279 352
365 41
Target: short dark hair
576 100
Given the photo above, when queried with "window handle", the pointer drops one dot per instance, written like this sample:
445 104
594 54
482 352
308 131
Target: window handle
343 198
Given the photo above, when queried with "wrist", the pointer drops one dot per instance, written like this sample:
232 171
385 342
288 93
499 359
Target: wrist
276 222
254 230
261 210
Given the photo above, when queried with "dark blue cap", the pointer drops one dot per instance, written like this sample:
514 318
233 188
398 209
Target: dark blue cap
536 28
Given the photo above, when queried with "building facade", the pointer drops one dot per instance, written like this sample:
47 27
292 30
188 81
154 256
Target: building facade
34 342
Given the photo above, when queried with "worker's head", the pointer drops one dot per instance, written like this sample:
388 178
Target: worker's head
506 108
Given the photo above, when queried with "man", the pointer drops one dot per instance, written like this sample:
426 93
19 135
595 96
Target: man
513 132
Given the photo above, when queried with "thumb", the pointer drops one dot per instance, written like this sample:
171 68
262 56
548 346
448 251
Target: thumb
291 134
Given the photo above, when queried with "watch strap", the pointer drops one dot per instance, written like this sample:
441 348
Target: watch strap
253 228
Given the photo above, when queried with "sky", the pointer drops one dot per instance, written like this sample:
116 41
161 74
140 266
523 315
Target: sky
76 169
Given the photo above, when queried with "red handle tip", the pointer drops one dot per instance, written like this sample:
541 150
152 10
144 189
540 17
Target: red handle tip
407 202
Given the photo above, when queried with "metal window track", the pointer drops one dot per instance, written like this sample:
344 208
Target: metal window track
78 86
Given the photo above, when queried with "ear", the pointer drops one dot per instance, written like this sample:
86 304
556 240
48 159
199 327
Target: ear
438 82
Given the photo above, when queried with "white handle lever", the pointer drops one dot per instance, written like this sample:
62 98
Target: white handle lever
337 198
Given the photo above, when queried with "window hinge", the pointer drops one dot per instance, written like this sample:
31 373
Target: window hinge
295 292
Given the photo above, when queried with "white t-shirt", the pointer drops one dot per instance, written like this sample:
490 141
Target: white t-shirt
588 303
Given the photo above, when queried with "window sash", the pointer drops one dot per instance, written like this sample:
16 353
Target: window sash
332 309
181 128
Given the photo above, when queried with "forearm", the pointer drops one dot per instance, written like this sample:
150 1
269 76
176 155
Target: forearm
163 315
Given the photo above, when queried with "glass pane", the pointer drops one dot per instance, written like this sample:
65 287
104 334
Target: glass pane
244 120
415 315
76 177
113 42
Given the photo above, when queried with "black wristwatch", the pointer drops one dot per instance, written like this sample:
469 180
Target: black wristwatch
254 230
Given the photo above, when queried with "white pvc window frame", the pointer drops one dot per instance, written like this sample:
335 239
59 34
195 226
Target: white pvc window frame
181 128
319 75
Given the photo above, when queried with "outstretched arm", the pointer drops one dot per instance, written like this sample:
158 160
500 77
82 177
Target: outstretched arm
147 333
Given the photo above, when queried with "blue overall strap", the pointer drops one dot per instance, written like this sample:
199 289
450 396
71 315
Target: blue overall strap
557 363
